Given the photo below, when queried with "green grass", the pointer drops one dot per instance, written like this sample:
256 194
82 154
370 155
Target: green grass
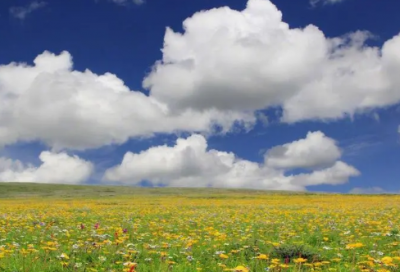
49 228
18 190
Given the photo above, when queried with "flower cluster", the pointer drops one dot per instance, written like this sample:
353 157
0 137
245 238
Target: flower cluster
223 232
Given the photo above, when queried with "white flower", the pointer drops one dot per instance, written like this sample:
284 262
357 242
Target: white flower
130 264
189 258
64 256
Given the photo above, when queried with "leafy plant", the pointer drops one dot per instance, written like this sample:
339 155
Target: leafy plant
287 251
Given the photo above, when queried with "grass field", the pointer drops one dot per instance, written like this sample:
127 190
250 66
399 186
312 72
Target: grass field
94 228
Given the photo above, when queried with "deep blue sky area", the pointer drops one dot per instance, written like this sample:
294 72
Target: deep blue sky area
126 40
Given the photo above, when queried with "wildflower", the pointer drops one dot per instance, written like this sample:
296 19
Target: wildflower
355 245
241 268
130 264
387 260
262 257
189 258
223 256
64 256
300 260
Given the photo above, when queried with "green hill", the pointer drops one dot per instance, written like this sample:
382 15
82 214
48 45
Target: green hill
18 190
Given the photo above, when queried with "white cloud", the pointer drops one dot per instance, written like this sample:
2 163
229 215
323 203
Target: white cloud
124 2
226 65
190 164
325 2
23 11
316 150
376 117
334 175
139 2
371 191
65 108
55 168
251 59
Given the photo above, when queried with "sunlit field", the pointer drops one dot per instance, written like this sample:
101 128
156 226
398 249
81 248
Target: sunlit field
196 230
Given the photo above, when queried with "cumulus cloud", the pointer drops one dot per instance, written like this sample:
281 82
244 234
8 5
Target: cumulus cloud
55 168
248 60
23 11
334 175
190 164
316 150
225 66
65 108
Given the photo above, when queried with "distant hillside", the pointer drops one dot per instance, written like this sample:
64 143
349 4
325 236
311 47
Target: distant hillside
16 190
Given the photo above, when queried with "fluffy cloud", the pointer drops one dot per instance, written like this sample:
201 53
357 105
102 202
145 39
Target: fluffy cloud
63 108
316 150
55 168
334 175
226 65
190 164
22 12
248 60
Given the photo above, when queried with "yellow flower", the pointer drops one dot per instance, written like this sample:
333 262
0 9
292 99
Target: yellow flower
387 260
355 245
64 256
275 261
241 268
300 260
262 257
223 256
130 264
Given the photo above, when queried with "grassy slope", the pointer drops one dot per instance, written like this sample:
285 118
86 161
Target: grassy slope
16 190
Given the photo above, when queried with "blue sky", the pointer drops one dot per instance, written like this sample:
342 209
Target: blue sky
222 76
